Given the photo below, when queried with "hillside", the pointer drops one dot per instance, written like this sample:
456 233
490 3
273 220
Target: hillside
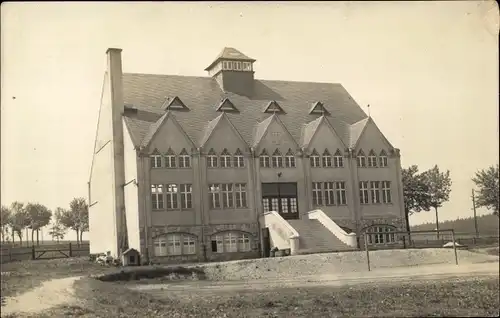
487 225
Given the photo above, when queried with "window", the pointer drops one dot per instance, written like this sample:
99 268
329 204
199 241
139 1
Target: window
265 205
386 192
189 245
214 194
315 160
264 159
227 195
361 159
160 246
341 192
184 159
231 242
329 193
157 196
227 65
338 159
239 160
247 66
277 159
375 191
174 244
293 205
372 159
237 66
327 159
383 158
316 192
171 193
225 159
363 192
290 159
156 161
241 195
381 234
186 196
284 205
212 159
170 159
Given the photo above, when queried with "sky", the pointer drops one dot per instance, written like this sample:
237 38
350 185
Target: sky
429 71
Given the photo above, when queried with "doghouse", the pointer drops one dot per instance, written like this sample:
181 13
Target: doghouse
131 257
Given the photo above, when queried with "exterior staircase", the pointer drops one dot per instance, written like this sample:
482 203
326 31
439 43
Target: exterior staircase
314 237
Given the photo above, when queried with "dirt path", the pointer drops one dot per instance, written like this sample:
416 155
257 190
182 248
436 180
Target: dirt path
50 294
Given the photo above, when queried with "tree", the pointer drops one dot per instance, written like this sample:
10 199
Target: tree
486 181
19 220
57 230
4 221
439 185
39 216
77 218
415 192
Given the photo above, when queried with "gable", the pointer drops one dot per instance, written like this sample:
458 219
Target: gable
174 104
372 138
226 106
318 109
273 107
325 137
168 135
221 134
275 135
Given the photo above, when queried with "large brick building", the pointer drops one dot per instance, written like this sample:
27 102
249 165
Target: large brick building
227 166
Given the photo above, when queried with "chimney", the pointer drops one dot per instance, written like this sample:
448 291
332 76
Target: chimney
117 108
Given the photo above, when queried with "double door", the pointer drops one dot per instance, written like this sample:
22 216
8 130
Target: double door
282 198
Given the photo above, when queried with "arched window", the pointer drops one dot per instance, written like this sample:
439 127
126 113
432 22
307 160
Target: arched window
175 244
239 161
212 159
265 161
338 159
225 159
290 159
327 159
277 159
170 159
383 158
361 159
184 159
315 159
372 159
231 242
381 234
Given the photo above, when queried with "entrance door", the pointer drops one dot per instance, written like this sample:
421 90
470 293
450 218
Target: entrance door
282 198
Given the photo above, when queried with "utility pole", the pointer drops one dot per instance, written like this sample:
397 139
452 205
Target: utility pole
475 216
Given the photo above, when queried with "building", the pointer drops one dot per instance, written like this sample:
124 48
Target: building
227 166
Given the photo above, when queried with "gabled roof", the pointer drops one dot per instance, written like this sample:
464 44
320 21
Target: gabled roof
202 93
311 128
226 106
273 107
209 129
318 108
174 104
155 127
229 53
356 130
262 128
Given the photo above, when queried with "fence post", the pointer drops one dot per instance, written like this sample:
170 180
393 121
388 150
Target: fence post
33 252
70 251
454 246
367 252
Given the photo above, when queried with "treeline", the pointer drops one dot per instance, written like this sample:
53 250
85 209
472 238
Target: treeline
487 225
19 217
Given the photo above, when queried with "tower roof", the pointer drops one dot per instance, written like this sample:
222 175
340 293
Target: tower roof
229 53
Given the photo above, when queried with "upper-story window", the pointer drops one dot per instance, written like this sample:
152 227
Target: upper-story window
225 159
383 158
247 66
170 159
237 66
212 159
264 159
361 159
327 159
227 65
372 159
338 159
290 159
315 159
277 159
156 160
184 159
239 160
